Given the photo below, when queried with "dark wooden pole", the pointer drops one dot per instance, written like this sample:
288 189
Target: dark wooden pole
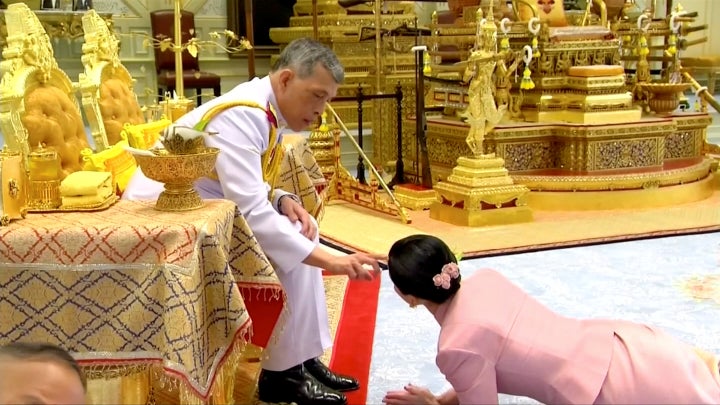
315 20
250 36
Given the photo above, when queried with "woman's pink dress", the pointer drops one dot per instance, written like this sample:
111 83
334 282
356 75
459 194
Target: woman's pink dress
495 338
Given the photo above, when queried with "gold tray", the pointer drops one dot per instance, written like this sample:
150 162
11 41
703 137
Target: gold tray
95 207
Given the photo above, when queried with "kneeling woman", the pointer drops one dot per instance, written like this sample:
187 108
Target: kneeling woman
495 338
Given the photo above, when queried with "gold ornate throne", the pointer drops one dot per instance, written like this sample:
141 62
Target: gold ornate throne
37 99
111 107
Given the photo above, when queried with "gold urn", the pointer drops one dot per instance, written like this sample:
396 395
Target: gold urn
664 98
13 198
44 178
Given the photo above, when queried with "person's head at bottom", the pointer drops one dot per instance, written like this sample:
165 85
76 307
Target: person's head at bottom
424 270
304 78
37 373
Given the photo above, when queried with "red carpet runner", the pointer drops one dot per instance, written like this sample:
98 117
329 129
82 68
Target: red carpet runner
354 336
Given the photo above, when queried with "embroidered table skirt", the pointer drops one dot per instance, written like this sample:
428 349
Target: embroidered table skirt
131 288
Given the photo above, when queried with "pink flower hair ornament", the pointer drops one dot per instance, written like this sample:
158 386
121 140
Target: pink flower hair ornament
448 272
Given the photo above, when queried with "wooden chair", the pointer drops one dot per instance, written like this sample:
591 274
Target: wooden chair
162 23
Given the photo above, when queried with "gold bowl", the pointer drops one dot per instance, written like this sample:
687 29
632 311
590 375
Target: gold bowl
664 97
178 173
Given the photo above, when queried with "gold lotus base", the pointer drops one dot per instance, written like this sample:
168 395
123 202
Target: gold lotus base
624 199
414 197
179 198
463 217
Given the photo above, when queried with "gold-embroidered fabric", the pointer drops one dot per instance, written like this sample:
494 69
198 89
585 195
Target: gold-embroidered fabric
132 285
301 175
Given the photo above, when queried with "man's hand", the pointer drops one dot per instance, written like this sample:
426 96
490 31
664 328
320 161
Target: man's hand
358 266
411 395
296 212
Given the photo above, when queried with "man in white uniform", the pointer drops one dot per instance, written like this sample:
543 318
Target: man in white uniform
305 77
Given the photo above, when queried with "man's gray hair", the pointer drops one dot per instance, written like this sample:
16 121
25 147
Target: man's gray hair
25 351
303 54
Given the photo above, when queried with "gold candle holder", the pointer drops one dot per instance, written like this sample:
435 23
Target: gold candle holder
44 189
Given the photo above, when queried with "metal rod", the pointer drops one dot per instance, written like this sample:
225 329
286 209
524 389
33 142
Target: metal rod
399 164
178 49
250 36
705 94
380 180
360 166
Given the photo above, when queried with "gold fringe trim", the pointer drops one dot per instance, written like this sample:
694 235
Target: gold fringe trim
135 383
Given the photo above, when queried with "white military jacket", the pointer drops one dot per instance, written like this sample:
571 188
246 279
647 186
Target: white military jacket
242 137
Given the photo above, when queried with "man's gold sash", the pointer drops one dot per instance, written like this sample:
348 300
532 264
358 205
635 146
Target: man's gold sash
271 159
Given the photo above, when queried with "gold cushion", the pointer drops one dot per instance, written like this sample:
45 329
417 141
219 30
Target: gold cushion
115 160
86 183
51 118
118 106
595 71
553 12
144 136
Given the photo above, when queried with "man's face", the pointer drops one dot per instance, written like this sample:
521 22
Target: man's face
302 100
39 382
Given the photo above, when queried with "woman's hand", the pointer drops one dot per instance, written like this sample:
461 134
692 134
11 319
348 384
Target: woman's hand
411 395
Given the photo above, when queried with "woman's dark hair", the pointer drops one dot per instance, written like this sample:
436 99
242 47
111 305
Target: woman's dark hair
42 351
414 261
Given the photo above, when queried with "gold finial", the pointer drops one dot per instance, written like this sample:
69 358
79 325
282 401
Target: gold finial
434 18
479 15
323 123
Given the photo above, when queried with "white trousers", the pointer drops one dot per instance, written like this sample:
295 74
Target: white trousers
302 331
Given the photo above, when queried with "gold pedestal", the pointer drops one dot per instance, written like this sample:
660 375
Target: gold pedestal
415 197
44 194
179 197
480 192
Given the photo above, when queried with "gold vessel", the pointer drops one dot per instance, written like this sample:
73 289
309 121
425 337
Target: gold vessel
664 98
45 173
178 173
13 193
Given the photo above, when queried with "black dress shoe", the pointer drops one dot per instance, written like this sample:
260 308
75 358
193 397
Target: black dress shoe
331 380
294 385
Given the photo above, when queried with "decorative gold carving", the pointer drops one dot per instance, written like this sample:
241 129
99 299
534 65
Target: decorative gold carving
102 62
28 62
480 192
415 197
13 186
178 173
57 24
618 181
322 144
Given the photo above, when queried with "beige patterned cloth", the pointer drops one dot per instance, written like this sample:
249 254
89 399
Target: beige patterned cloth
300 174
132 285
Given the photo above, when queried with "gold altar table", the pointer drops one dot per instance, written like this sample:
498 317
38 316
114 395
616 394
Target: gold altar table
132 291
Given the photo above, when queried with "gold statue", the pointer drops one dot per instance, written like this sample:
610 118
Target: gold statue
482 113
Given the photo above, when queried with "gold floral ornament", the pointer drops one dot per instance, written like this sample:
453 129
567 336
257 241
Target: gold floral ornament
232 44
